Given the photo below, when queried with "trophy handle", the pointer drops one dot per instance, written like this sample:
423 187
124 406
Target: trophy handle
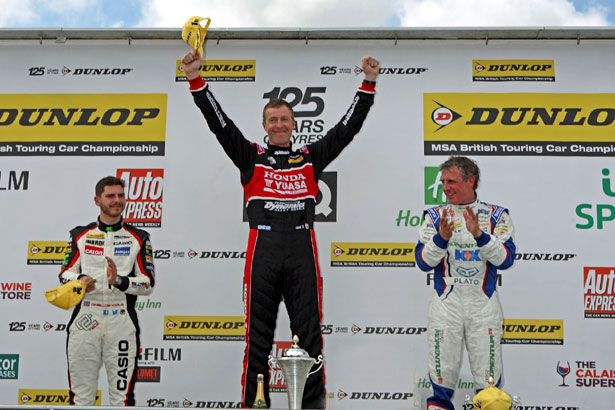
516 403
467 404
207 24
321 361
272 362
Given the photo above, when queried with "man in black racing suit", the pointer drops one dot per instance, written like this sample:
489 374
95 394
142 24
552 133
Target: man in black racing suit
281 186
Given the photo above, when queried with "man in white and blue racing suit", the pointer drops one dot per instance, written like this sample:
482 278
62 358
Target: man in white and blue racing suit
465 242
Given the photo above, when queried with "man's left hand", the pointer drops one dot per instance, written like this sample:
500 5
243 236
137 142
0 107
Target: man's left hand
471 218
111 271
370 67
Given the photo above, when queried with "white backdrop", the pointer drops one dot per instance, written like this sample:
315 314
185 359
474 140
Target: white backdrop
378 178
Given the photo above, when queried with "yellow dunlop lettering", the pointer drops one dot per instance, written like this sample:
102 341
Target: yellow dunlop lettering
222 70
525 117
46 252
204 328
48 396
513 70
82 117
533 331
379 254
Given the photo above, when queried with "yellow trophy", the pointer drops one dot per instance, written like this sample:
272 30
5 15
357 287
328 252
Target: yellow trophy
69 294
194 34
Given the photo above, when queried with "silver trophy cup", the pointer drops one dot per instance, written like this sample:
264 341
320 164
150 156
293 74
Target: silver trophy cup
295 364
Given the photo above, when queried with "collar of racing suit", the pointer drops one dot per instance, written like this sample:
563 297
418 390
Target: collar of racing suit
277 150
472 203
110 228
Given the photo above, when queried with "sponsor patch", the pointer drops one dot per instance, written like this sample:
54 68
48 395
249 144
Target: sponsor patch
122 251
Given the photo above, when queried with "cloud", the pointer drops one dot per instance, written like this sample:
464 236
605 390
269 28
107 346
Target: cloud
270 13
48 13
15 14
370 13
506 13
302 13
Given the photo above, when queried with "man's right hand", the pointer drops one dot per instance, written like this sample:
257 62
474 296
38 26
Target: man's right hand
85 279
446 226
191 63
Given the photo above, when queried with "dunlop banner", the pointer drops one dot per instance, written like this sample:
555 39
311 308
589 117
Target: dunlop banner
204 328
513 70
48 396
533 331
46 252
519 124
82 124
382 254
221 70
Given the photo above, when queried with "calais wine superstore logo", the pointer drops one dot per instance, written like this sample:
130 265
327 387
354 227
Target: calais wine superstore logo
14 291
143 196
588 374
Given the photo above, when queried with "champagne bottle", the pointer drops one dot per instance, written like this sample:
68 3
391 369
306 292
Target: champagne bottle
259 401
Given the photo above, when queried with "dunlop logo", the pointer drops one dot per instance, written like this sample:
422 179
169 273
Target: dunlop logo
222 70
372 254
82 117
46 252
513 70
48 396
519 124
204 328
533 331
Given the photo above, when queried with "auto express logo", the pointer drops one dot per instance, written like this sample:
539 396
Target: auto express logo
38 71
326 201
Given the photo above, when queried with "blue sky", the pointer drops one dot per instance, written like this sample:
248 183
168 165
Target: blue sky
306 13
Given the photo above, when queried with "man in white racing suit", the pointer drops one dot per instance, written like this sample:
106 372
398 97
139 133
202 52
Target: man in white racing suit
465 242
104 327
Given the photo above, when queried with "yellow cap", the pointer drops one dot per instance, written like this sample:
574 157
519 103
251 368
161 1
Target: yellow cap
194 34
492 398
67 295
